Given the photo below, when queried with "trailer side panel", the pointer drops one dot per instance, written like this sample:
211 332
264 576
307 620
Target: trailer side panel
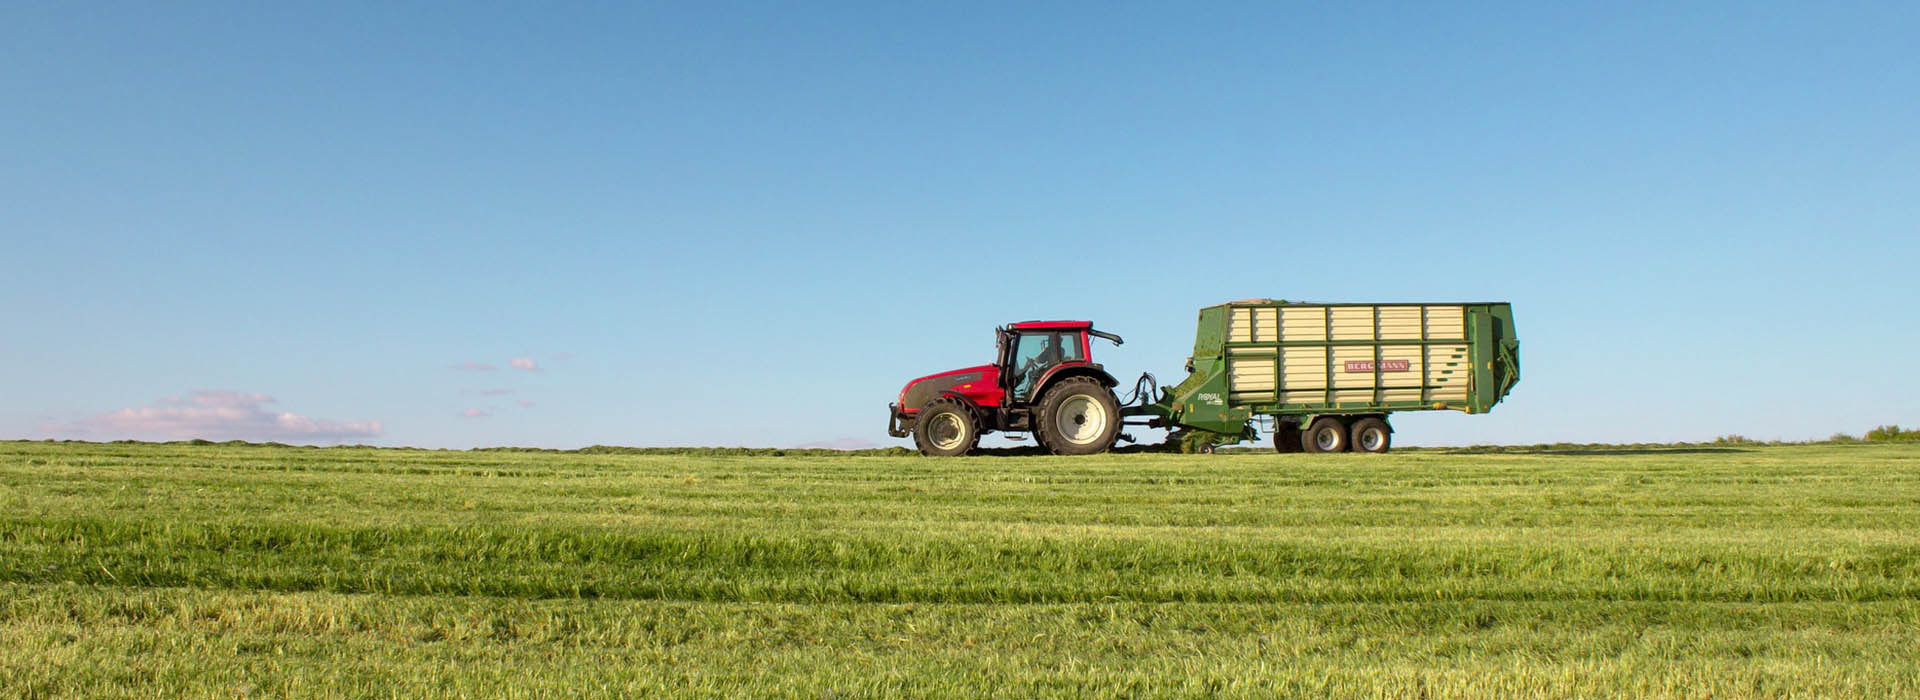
1294 359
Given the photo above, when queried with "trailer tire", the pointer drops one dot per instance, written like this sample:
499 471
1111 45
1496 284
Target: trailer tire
946 428
1325 435
1372 435
1286 438
1078 416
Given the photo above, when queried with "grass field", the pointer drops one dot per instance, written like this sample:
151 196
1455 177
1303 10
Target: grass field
220 571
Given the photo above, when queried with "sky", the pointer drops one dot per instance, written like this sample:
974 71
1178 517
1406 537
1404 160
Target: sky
482 224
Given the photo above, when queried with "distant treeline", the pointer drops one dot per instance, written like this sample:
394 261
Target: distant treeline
1884 433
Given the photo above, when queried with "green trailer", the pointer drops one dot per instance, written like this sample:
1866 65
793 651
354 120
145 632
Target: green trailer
1330 374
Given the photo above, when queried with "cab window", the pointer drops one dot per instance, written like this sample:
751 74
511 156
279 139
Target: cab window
1037 352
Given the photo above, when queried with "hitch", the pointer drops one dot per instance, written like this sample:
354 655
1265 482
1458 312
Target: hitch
897 422
1144 390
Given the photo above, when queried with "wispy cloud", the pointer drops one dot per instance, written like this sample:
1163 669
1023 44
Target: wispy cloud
495 392
475 413
213 415
471 366
524 363
525 403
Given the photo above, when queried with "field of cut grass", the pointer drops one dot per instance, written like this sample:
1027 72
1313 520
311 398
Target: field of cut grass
230 571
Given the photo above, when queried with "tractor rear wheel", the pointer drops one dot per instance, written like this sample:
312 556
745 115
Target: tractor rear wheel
1078 416
946 429
1286 438
1372 435
1326 434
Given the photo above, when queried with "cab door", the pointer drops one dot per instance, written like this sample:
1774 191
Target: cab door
1035 352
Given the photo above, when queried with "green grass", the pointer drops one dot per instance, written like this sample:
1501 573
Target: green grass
219 570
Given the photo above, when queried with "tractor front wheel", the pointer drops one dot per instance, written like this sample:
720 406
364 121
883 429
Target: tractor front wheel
1078 416
946 429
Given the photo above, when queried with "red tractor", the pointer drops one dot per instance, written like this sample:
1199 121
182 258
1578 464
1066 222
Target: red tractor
1044 382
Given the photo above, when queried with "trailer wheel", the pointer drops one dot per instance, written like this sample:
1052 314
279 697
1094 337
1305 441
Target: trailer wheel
1286 438
1078 416
1326 434
1372 435
946 429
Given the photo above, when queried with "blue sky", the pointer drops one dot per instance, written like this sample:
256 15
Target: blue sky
721 224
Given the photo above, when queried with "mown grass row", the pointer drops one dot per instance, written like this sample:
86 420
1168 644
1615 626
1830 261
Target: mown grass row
541 562
169 642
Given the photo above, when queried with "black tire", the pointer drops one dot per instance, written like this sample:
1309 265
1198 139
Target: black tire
946 428
1286 438
1078 402
1205 448
1371 435
1327 434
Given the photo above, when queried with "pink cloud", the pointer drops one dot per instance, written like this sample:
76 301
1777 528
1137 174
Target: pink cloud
523 363
495 392
525 403
475 413
213 415
471 366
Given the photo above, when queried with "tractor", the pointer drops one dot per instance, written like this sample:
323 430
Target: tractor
1043 380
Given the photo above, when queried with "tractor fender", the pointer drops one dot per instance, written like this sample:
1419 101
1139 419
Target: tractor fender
900 421
964 400
1060 372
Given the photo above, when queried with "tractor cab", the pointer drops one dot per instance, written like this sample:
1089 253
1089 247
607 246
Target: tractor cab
1028 350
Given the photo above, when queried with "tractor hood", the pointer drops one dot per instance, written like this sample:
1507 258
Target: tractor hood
976 383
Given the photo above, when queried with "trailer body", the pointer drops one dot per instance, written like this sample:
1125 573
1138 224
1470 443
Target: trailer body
1296 361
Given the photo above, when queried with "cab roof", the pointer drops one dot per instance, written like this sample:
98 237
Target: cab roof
1051 325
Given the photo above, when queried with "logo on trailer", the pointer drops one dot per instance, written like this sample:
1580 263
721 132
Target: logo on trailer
1385 365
